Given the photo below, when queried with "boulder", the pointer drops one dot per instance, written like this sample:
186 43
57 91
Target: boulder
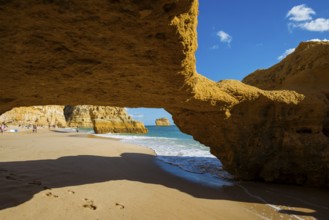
162 122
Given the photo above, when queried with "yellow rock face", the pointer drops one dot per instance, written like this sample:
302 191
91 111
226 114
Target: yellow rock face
40 115
162 122
84 115
104 119
141 54
118 126
109 119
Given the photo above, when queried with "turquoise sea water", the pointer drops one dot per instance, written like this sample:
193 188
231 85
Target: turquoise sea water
179 154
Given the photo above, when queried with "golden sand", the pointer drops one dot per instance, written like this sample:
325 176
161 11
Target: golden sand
51 175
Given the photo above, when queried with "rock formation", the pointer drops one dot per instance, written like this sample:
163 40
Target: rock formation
83 115
162 122
103 119
41 115
102 126
300 134
141 54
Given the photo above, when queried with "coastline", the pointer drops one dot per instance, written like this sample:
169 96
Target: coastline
51 175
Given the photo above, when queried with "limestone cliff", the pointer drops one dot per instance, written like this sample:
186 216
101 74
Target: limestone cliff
41 115
298 136
83 115
102 126
109 119
103 119
83 52
162 122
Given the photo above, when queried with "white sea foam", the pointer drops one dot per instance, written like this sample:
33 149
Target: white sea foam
186 154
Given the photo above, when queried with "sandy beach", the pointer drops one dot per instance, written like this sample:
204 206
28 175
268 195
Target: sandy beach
54 175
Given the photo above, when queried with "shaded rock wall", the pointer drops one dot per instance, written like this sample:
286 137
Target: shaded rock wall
141 54
300 146
77 52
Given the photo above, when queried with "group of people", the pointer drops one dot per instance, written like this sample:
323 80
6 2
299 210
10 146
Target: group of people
3 127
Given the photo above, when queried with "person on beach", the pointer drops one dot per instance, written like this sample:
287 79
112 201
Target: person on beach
2 128
77 129
34 128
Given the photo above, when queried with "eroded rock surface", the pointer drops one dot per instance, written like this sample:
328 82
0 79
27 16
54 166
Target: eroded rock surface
141 54
83 115
103 119
73 52
102 126
299 150
51 115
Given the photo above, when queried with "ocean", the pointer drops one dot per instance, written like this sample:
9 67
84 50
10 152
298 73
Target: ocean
179 154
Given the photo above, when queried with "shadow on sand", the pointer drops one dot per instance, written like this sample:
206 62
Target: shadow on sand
20 180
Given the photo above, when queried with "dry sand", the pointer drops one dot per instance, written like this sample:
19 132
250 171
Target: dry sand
52 175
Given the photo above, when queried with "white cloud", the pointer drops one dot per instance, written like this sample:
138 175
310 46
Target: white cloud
224 37
300 16
300 13
319 24
286 53
318 40
138 116
214 47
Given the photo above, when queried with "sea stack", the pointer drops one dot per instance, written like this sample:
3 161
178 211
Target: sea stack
162 122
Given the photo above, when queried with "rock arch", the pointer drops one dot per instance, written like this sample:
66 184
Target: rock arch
132 53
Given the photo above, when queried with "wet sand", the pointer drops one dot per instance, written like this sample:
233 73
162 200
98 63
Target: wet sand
54 175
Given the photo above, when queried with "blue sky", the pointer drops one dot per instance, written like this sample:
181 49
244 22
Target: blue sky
236 37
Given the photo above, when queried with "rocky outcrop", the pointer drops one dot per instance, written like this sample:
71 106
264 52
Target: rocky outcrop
298 151
141 54
84 115
104 119
108 119
102 126
51 115
162 122
83 52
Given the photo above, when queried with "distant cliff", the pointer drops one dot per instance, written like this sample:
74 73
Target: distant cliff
102 126
162 122
41 115
103 119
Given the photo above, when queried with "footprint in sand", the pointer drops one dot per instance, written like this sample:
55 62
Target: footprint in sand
50 194
71 191
89 204
119 205
10 176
